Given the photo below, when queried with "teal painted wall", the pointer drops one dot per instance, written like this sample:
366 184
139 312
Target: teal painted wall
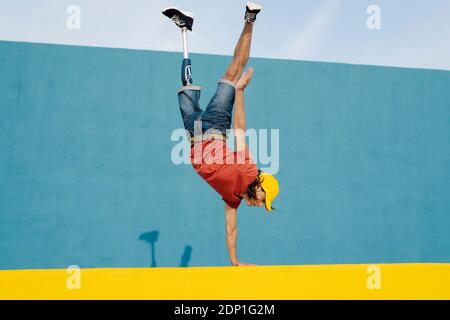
86 176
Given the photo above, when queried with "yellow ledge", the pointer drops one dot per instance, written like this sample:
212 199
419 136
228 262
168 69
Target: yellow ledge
383 281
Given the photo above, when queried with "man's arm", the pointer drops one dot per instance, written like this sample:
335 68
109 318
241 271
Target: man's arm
231 231
239 110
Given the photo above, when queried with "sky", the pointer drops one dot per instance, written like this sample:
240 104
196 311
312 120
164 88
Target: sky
412 33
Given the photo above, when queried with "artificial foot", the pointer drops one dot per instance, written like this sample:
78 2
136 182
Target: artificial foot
183 19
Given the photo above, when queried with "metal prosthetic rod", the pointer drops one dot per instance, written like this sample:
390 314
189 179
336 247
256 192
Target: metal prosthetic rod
185 44
186 71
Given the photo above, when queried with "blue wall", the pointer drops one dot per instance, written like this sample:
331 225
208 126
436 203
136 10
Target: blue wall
86 176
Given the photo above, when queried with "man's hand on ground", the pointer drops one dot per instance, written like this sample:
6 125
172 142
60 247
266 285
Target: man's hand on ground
245 79
241 264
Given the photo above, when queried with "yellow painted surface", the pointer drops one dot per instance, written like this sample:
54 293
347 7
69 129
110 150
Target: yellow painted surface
398 281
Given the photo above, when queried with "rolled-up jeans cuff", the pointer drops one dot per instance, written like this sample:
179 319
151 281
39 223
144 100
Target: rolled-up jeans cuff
197 88
231 83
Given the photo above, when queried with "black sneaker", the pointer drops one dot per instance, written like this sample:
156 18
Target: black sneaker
252 10
182 19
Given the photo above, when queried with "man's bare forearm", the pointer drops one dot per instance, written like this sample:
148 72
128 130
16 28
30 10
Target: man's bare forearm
231 231
239 111
231 244
239 121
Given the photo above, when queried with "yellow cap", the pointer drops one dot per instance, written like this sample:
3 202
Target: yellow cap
271 188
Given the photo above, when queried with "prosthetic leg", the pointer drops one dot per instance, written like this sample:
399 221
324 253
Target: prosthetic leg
184 20
188 95
186 70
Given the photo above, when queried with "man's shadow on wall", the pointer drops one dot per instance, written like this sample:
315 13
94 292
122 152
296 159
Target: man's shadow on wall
186 257
151 238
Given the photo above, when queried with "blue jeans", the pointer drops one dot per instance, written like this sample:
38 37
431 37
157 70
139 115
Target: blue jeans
218 113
